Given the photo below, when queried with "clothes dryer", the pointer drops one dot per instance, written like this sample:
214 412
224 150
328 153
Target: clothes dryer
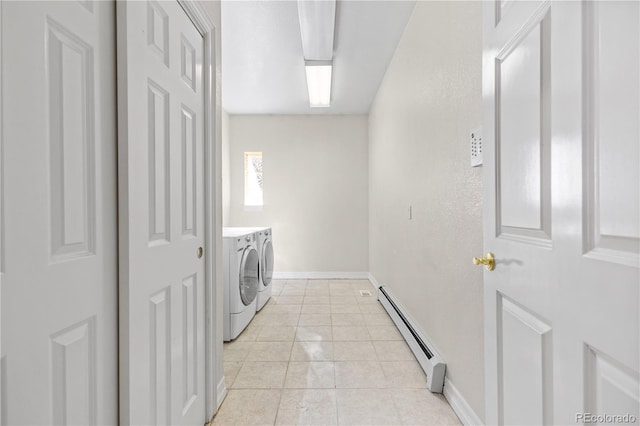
264 246
265 252
241 281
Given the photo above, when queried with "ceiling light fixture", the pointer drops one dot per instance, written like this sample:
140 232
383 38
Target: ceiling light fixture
319 83
317 27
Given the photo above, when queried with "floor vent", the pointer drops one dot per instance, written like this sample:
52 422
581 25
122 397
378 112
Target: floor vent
365 293
433 366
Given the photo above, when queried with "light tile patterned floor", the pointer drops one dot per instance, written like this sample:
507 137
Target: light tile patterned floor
319 353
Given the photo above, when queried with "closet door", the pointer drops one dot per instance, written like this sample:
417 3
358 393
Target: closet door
59 287
162 181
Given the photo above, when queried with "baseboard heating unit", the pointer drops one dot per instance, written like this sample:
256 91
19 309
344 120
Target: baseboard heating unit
433 366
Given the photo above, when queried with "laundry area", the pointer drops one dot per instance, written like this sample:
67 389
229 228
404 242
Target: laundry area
429 171
310 335
248 274
319 212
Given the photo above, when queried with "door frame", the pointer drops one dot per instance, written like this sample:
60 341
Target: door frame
2 372
205 26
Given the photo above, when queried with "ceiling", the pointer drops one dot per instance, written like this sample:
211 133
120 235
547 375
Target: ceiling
263 65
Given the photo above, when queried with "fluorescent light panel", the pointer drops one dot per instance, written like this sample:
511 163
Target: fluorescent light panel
317 25
319 84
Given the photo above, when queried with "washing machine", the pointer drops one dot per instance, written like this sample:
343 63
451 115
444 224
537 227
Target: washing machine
241 281
265 251
265 263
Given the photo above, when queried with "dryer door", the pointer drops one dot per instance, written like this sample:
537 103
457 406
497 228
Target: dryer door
266 265
249 276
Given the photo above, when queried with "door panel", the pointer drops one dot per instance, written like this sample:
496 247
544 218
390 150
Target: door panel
561 195
73 354
72 145
610 387
524 366
59 286
522 137
162 199
612 130
190 316
189 175
160 350
159 157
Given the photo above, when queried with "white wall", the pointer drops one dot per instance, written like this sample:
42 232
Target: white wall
419 155
226 172
315 188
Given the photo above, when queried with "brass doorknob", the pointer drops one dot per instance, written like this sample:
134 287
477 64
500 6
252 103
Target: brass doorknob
200 252
489 261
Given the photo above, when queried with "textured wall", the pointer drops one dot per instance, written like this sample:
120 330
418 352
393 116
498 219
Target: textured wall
419 156
315 188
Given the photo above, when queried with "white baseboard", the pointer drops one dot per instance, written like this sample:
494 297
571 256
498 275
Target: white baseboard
373 280
463 410
321 275
222 393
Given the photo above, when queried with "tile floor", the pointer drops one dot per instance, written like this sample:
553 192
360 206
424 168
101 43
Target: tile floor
319 353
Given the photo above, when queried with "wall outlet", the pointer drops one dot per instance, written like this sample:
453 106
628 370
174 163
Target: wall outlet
476 146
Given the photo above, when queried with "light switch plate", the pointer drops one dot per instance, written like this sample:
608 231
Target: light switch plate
475 138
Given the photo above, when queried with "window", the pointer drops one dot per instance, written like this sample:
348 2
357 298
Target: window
253 179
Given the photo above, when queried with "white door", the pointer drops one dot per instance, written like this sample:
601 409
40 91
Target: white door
562 185
162 290
59 288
